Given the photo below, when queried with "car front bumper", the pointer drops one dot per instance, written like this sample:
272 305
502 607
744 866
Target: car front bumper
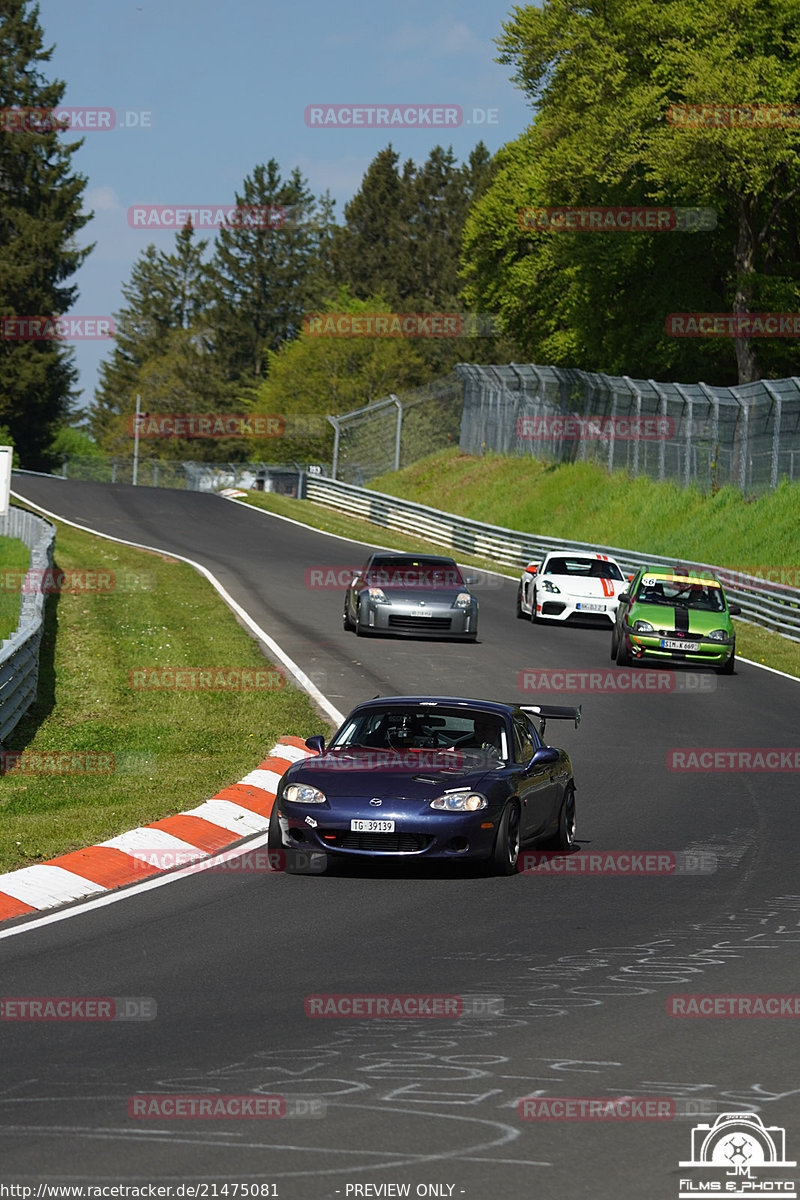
406 620
552 606
711 652
432 835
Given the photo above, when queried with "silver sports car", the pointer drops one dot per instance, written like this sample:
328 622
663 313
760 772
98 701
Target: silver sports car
411 595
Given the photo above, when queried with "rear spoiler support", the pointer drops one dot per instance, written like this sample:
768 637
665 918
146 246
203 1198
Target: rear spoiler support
552 712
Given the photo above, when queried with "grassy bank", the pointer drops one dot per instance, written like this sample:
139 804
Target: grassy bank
169 749
585 503
15 557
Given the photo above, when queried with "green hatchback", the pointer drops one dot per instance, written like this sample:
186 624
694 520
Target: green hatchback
682 617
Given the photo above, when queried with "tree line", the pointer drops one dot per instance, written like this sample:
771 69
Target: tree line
219 326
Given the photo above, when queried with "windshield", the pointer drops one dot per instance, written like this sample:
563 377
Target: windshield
588 568
413 572
672 591
417 728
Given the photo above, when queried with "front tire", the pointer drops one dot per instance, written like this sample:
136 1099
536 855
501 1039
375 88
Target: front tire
521 616
623 657
506 844
614 644
730 665
274 836
346 622
564 839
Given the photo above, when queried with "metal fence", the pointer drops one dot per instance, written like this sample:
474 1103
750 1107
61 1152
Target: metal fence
763 602
397 430
190 476
746 436
19 654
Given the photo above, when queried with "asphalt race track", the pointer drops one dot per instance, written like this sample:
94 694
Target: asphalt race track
583 965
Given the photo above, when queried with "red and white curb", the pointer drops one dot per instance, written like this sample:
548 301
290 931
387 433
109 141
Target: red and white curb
234 813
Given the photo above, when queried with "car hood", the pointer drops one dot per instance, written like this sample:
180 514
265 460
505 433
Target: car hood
418 595
586 585
679 619
369 773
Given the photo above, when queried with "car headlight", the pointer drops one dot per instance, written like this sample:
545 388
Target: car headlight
304 793
459 802
550 587
378 595
462 600
718 635
642 627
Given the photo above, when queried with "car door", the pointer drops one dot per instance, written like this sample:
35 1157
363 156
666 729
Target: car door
538 786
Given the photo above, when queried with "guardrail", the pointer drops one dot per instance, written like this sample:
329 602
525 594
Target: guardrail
763 602
19 654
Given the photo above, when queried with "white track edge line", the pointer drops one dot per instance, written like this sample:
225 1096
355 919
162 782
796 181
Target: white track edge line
126 890
307 684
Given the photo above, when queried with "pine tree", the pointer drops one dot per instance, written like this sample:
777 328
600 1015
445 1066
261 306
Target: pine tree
40 217
264 280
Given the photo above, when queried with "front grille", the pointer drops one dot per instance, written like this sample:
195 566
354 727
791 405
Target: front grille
552 608
396 621
379 843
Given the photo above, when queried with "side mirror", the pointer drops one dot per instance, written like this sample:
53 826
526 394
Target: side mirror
543 756
734 609
316 742
623 597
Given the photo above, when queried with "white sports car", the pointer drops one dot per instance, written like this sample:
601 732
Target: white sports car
571 584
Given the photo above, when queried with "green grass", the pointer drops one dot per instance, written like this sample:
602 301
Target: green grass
14 557
172 749
585 503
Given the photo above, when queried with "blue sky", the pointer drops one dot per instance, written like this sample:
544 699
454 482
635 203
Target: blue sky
226 87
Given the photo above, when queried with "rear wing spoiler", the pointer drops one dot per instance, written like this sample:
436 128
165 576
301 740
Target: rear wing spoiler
553 712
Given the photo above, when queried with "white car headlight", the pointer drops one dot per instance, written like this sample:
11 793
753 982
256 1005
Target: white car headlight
643 627
718 635
304 793
550 587
378 595
462 600
459 802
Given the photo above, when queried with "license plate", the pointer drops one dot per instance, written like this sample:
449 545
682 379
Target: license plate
591 607
372 826
668 644
420 612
